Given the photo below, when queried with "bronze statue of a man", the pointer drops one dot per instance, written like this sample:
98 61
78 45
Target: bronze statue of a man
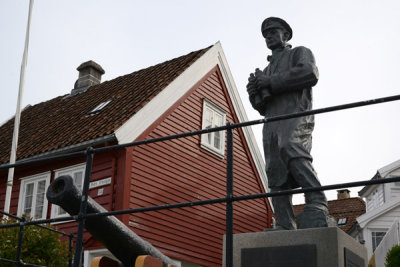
284 87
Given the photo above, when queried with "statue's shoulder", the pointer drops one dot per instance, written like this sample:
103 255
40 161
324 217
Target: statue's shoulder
300 49
301 52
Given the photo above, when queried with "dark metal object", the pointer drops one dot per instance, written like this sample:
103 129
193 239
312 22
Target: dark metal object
20 235
229 196
21 263
22 225
70 250
82 211
209 130
213 201
118 238
289 78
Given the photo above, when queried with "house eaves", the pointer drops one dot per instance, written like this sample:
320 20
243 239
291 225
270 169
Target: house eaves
72 148
380 174
384 171
364 219
366 190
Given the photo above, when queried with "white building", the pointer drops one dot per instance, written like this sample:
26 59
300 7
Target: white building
383 207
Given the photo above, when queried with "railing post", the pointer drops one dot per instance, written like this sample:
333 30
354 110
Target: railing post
229 196
20 236
82 210
70 250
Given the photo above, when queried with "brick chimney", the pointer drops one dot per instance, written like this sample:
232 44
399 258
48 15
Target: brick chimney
343 194
89 74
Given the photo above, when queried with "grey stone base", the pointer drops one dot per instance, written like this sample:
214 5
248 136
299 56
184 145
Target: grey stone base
319 247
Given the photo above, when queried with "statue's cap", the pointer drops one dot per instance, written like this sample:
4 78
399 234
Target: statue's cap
273 22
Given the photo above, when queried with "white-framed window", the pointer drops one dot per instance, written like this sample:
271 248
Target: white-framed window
99 107
213 116
377 238
32 201
77 172
342 221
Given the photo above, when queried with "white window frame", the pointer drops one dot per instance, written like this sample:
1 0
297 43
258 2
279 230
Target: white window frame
71 170
208 139
375 231
99 107
89 255
34 179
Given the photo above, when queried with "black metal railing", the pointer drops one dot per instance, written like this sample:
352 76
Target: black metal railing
229 199
22 224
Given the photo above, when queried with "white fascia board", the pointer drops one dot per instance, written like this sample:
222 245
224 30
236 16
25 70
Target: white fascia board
241 113
138 123
384 171
367 217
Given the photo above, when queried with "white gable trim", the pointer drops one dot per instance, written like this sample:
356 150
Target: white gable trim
384 171
138 123
241 113
364 219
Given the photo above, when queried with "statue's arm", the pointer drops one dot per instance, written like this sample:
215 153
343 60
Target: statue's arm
252 89
303 73
257 96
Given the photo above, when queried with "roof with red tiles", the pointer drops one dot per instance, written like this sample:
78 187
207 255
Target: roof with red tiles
343 210
66 120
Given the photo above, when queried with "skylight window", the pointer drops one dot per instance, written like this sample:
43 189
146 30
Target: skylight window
342 221
99 107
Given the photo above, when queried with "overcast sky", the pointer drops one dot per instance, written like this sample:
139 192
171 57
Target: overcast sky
354 42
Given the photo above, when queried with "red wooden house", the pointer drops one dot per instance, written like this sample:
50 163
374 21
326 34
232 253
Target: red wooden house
184 94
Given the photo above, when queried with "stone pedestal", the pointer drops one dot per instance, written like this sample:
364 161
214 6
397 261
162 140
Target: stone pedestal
317 247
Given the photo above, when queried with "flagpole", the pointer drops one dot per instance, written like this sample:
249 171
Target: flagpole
18 114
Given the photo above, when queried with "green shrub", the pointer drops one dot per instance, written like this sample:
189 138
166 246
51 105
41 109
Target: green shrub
39 246
393 257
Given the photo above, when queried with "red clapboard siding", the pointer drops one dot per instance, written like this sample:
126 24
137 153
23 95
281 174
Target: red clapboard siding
181 171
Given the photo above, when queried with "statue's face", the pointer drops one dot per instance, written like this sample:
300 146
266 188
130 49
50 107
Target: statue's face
276 38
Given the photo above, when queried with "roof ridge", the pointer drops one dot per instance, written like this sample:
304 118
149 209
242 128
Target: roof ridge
196 54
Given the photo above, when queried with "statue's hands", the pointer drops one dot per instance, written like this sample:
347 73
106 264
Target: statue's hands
251 86
262 80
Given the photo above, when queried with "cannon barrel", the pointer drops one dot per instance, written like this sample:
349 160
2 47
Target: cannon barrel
121 241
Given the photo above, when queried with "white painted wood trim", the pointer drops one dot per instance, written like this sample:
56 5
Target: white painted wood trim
384 171
241 113
89 255
137 124
45 176
364 219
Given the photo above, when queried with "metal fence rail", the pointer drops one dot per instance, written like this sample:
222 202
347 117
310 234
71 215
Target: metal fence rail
229 199
22 224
